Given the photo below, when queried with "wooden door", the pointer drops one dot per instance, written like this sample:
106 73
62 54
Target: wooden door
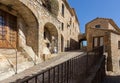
8 30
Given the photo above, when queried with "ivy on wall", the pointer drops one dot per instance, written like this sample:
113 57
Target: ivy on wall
52 6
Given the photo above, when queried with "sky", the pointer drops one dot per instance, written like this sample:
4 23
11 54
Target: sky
88 10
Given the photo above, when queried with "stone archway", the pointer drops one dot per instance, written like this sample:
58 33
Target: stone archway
51 37
83 44
29 26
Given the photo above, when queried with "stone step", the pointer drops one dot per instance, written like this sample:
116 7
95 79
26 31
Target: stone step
8 58
21 67
12 58
8 62
7 51
19 60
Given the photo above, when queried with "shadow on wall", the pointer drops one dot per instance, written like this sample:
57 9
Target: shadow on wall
74 45
112 79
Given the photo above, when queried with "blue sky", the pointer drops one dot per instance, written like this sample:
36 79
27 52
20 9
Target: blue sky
90 9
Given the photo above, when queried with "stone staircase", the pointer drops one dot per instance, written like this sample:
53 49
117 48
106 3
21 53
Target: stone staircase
8 62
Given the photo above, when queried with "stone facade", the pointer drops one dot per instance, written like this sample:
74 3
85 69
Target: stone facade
115 51
41 25
70 29
104 32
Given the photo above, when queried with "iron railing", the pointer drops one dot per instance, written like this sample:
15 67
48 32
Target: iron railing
100 73
93 56
66 72
62 73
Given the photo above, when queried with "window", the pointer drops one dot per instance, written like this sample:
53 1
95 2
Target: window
68 25
98 41
70 21
70 31
118 44
68 43
73 25
63 8
44 35
62 26
101 41
95 42
2 22
97 26
8 29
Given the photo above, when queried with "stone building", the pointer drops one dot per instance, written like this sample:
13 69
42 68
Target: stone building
32 28
69 26
104 32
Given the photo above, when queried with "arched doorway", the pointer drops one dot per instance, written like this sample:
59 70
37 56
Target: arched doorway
62 43
51 37
16 10
18 30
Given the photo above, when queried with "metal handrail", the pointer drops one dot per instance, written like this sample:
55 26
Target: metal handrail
64 72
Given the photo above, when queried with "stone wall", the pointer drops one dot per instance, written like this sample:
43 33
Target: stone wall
115 51
98 21
26 26
111 27
32 16
91 33
110 34
71 26
43 16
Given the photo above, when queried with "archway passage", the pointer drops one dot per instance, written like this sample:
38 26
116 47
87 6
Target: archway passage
83 44
8 30
51 37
